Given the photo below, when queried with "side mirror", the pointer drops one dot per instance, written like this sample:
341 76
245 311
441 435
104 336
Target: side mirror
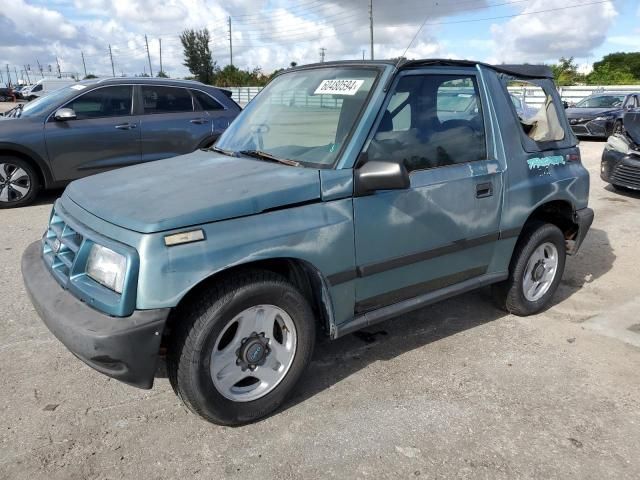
63 114
565 104
374 176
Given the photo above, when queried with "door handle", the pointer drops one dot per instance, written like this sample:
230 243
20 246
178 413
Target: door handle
484 190
126 126
199 121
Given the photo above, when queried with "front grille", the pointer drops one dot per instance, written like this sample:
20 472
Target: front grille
580 130
60 246
626 175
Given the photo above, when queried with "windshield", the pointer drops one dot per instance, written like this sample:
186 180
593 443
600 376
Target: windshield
602 101
305 116
43 104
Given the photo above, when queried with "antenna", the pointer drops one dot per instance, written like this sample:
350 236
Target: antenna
395 68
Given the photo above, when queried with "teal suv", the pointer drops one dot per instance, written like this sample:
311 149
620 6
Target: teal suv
345 194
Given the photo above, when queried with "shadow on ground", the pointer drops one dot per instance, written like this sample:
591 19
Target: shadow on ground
334 361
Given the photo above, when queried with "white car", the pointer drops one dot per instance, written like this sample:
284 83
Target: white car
44 86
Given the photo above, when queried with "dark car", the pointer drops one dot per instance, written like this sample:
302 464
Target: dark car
8 94
601 115
94 126
621 157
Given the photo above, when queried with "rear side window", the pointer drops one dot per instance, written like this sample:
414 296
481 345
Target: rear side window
205 102
37 88
103 102
159 99
536 111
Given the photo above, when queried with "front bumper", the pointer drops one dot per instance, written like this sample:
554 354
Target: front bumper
125 348
620 169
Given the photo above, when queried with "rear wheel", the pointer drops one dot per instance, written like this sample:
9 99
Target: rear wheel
535 271
239 350
19 182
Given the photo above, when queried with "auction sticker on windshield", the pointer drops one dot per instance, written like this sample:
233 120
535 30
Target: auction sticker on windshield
341 86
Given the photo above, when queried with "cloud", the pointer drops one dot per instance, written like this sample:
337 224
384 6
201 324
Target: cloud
572 32
272 33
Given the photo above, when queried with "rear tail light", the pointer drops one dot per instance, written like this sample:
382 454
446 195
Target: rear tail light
573 158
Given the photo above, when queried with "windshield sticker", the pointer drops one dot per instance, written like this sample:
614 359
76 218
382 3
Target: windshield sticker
78 87
545 161
341 86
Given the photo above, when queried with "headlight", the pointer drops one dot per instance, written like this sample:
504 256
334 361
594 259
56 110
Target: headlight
107 267
605 117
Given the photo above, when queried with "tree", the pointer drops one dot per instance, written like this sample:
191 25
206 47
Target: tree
607 74
90 76
565 72
625 61
197 55
161 74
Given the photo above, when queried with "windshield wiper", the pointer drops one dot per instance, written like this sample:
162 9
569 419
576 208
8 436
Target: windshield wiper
229 153
267 156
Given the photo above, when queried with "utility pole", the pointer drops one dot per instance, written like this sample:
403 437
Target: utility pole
58 65
8 76
16 72
148 56
160 45
84 65
113 70
40 68
2 78
230 44
363 54
322 53
26 70
371 26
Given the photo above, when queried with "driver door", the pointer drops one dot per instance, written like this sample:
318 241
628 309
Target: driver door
442 230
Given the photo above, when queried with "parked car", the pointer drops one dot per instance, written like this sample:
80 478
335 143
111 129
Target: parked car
621 156
337 199
7 94
45 86
99 125
600 115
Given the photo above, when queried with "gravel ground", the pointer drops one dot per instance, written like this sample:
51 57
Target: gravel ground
456 390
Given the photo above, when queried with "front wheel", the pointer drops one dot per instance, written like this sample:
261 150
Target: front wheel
239 349
535 271
618 128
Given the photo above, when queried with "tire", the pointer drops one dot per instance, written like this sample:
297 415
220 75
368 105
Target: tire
20 190
617 127
510 295
204 329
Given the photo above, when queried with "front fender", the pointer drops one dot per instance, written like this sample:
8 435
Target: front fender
319 234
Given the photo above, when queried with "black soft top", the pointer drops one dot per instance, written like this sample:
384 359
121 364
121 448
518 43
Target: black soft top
522 71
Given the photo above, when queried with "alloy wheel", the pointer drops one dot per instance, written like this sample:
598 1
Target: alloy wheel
15 183
253 353
540 271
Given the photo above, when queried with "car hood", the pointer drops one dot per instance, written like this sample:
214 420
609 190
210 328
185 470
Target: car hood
589 112
197 188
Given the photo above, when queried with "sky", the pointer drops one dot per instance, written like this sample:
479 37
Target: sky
272 33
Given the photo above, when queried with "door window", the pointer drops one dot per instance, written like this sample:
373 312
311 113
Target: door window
103 102
205 102
431 121
37 88
159 99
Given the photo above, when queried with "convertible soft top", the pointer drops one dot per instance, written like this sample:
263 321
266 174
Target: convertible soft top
523 70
